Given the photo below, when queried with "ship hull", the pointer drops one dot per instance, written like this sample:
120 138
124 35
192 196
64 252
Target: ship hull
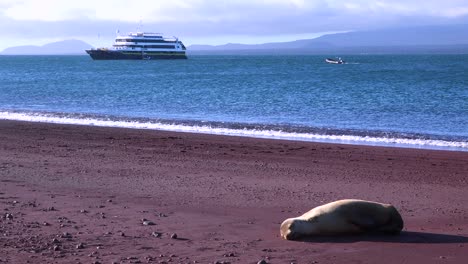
101 54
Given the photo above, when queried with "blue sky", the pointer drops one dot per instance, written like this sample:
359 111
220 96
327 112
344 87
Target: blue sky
37 22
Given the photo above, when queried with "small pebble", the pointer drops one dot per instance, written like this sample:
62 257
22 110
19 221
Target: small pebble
156 234
174 236
147 222
262 262
80 246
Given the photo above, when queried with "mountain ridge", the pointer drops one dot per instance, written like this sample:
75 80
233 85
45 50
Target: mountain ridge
424 38
64 47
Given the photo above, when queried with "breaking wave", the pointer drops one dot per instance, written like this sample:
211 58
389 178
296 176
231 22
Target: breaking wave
284 132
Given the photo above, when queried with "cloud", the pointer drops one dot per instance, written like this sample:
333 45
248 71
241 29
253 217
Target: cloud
212 10
219 18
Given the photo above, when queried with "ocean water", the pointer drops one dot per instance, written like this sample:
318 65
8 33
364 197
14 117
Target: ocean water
418 101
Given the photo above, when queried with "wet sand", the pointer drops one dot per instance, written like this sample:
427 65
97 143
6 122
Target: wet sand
82 194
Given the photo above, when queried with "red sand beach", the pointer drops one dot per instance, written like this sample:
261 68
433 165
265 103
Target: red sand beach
82 194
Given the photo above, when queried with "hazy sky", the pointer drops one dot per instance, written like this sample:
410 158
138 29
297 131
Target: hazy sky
37 22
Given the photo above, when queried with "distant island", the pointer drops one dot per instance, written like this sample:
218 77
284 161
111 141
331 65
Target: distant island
65 47
422 39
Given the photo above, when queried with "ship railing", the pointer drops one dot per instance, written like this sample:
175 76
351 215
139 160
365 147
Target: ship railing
142 34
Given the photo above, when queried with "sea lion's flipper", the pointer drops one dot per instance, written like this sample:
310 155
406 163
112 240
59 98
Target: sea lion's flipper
365 224
368 225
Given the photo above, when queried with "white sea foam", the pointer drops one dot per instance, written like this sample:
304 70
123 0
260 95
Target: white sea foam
273 134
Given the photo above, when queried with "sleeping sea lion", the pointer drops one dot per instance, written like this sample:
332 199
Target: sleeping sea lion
344 217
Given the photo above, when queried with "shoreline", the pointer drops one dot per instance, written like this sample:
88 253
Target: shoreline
398 140
224 197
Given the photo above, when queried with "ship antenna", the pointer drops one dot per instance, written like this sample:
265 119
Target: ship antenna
140 26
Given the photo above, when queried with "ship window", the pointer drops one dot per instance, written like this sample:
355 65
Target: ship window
161 46
151 40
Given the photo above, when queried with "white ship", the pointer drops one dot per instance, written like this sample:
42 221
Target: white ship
141 46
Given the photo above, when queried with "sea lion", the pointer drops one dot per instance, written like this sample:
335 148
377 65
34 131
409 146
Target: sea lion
344 217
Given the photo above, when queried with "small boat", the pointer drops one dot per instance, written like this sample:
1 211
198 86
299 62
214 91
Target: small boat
334 61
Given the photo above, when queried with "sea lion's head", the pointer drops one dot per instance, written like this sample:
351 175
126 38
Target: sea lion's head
294 228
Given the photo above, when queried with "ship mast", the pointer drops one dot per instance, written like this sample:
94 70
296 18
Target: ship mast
140 26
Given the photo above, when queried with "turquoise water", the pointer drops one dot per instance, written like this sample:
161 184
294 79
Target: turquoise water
418 101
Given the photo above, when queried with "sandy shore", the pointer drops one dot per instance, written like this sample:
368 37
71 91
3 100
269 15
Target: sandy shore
78 194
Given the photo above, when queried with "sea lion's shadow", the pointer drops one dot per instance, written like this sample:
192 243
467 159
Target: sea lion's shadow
403 237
